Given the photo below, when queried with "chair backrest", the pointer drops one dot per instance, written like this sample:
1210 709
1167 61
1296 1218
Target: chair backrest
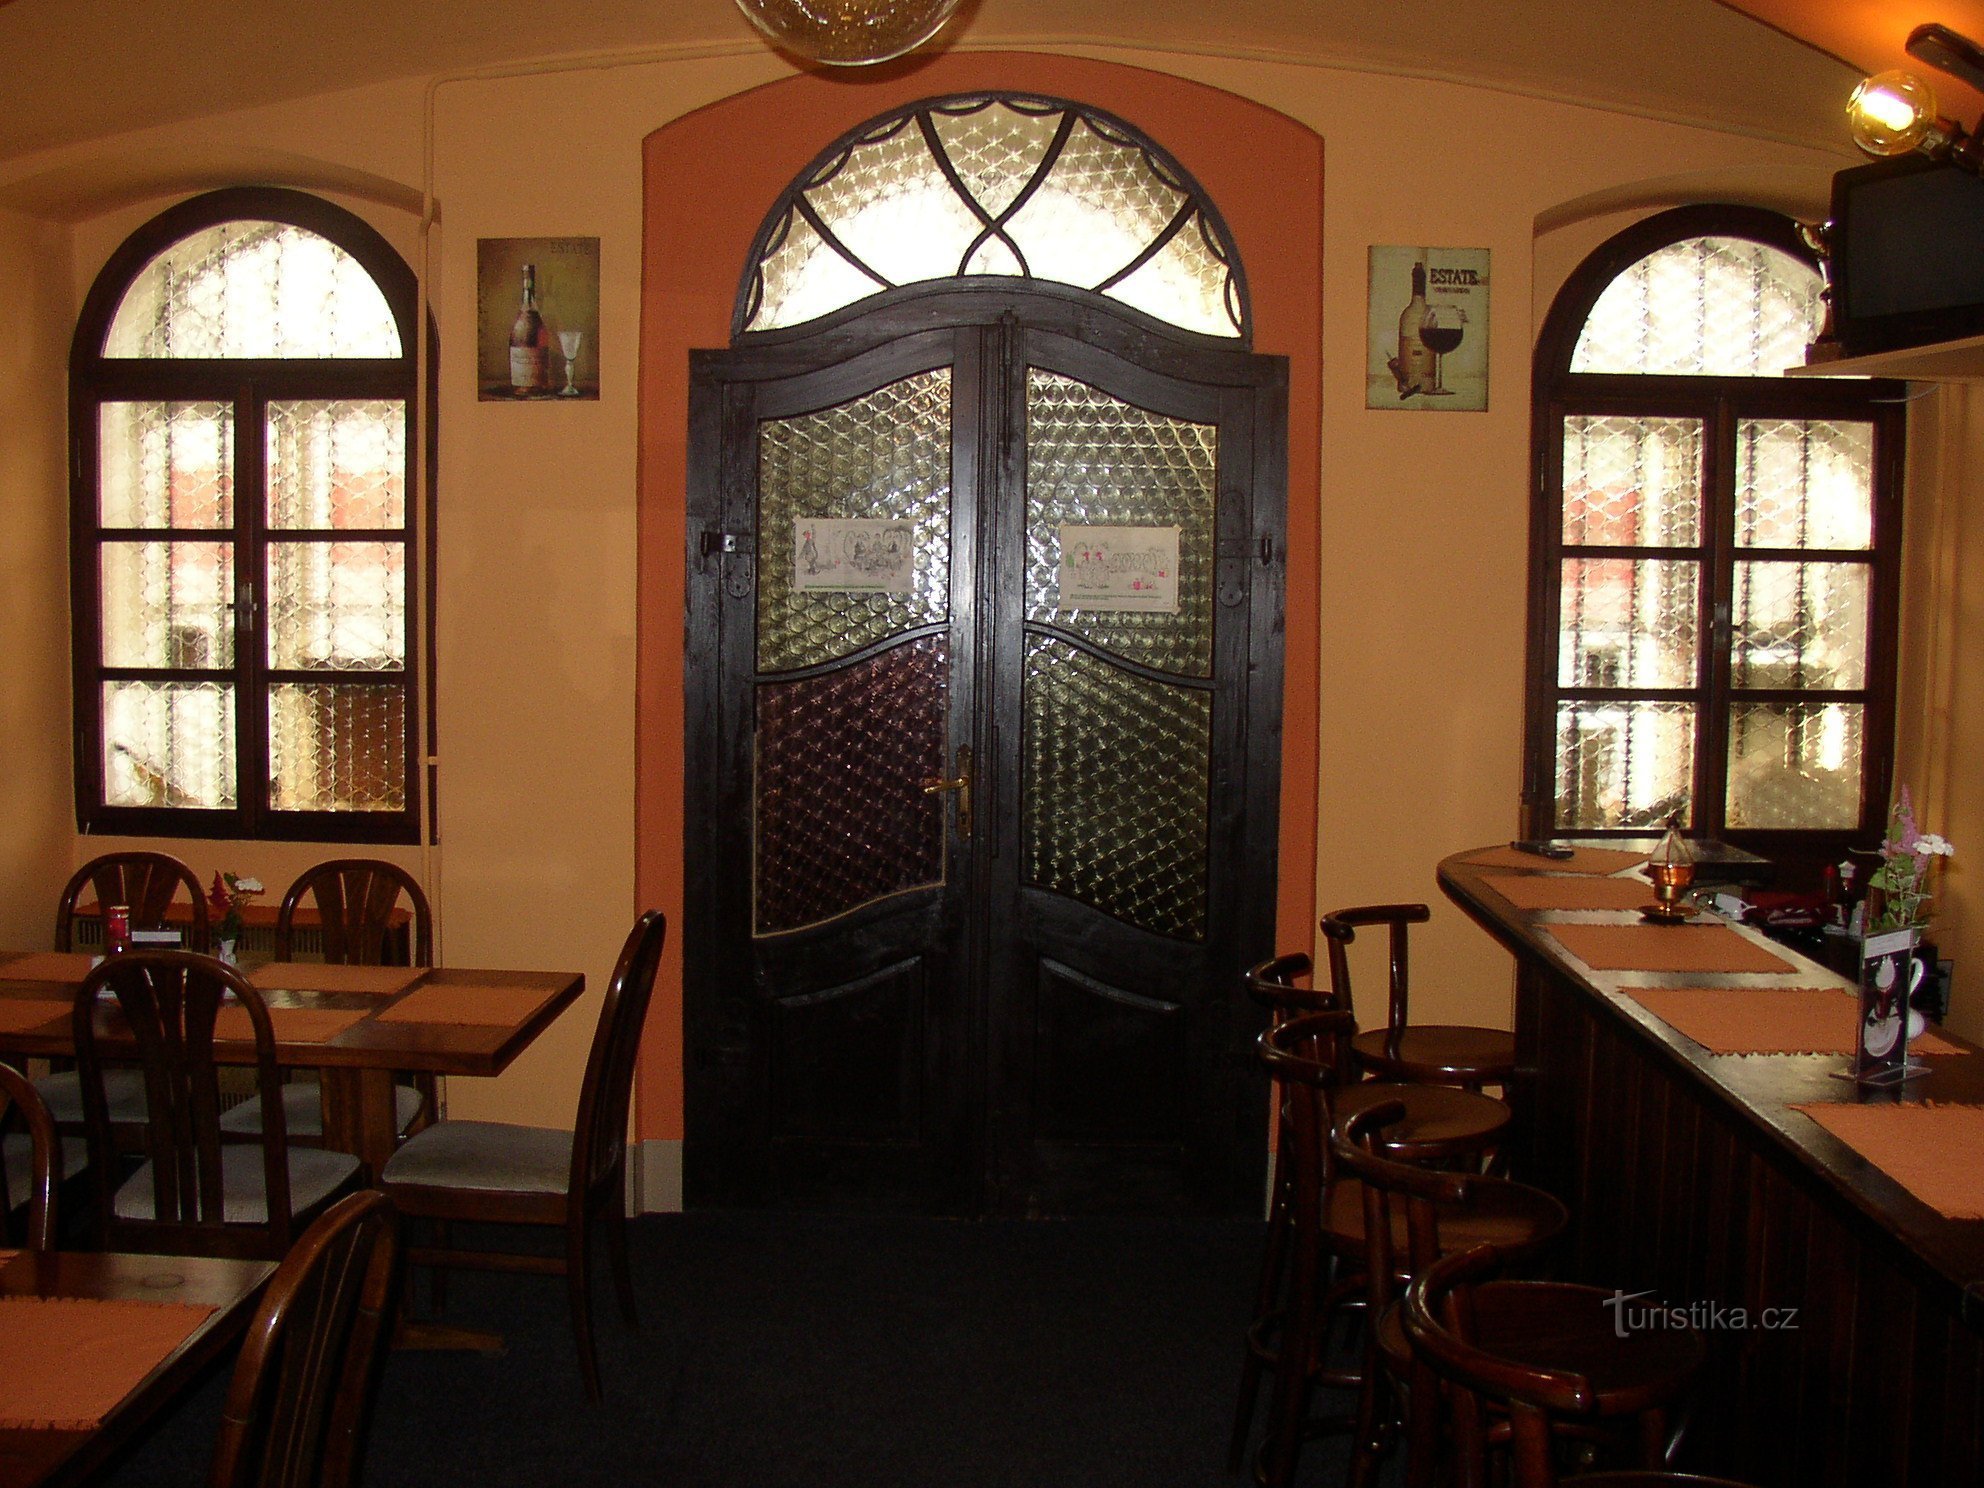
17 1092
599 1143
1276 985
1340 929
1307 1057
147 882
169 1001
1395 1190
355 899
297 1405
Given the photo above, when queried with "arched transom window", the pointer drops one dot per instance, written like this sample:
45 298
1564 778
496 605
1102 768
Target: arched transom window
1003 185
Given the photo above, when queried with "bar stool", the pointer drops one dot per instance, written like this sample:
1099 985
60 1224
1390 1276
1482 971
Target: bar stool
1429 1053
1441 1124
1549 1354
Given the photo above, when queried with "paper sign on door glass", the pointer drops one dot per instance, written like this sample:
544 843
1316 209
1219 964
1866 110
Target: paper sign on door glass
1119 568
853 555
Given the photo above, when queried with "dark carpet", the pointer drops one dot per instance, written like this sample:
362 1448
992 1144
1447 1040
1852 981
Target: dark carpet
819 1351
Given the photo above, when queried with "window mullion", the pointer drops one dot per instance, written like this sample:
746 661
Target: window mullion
252 619
1717 636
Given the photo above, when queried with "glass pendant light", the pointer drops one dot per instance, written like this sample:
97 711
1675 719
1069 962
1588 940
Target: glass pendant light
848 33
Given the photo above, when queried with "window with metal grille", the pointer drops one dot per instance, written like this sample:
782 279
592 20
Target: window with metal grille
1713 564
242 381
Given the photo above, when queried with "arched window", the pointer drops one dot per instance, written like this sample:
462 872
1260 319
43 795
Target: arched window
1713 582
242 380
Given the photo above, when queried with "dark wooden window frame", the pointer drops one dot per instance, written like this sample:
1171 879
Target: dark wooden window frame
248 385
1720 402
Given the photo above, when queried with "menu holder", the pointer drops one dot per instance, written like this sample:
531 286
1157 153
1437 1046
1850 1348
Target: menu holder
1890 971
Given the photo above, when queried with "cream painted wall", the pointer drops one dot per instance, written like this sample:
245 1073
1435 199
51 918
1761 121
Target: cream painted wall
1424 516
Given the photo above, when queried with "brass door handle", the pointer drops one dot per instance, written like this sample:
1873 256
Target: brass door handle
960 785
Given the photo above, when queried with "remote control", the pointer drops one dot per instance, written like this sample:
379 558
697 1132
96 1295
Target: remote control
1556 851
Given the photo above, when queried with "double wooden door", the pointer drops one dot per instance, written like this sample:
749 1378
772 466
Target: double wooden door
984 680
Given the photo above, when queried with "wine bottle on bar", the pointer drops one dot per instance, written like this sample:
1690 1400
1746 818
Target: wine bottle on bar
530 343
1414 365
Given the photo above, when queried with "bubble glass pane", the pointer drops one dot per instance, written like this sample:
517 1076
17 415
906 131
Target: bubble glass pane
1094 460
167 604
886 454
168 744
1627 623
337 605
1623 764
335 465
1632 482
337 747
1795 766
1801 625
165 465
895 211
1802 484
1116 780
253 289
1721 307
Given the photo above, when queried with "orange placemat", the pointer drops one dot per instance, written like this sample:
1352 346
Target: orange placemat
1665 948
318 976
1767 1020
1935 1152
292 1025
19 1014
1582 860
47 966
494 1006
1548 891
65 1362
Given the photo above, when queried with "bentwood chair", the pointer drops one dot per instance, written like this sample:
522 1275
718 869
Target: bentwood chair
193 1194
30 1161
302 1387
355 900
519 1175
149 883
1427 1053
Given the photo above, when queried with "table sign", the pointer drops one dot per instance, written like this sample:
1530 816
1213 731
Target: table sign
1889 974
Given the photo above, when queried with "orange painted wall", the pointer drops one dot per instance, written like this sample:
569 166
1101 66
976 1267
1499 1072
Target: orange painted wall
731 160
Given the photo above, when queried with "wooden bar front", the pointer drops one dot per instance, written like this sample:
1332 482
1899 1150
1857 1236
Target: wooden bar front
1690 1177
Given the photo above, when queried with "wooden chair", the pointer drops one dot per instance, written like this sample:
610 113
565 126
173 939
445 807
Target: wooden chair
1428 1053
297 1404
1441 1124
193 1194
355 899
30 1162
481 1170
149 883
1549 1356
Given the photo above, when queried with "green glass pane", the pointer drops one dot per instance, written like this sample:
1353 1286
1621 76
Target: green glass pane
1115 791
885 456
1096 461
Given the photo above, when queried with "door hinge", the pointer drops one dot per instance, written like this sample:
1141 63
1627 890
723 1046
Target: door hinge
710 544
735 554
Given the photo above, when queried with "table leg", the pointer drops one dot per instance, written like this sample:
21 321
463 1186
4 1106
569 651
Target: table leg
359 1117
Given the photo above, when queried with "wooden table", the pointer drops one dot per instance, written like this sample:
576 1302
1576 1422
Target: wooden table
50 1459
1688 1174
358 1063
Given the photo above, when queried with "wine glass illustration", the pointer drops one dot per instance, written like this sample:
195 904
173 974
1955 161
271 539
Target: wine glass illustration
568 342
1440 332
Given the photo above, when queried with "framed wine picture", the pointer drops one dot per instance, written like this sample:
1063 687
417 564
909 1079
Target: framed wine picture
537 319
1427 349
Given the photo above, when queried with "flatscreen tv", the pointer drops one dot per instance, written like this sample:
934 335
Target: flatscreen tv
1907 251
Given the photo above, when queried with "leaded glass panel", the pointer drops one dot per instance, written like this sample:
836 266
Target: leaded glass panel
165 465
1095 460
1795 765
1804 484
1115 789
336 605
337 747
168 744
1708 306
337 464
1627 623
840 816
167 604
1624 764
253 289
1801 625
1632 482
886 454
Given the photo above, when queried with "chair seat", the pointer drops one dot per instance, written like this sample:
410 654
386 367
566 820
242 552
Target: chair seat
483 1156
1441 1121
1561 1326
17 1157
123 1089
315 1173
303 1111
1440 1053
1515 1219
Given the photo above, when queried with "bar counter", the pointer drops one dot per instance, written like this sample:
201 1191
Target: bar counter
1690 1175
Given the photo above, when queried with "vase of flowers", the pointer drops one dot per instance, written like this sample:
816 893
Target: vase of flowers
1898 896
229 895
1891 967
